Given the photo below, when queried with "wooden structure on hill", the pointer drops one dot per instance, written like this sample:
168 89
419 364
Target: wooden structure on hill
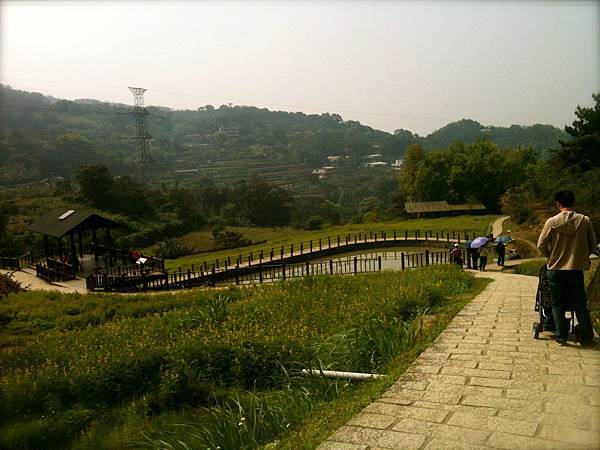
442 208
64 263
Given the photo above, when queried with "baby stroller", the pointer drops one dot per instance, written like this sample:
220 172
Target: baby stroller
542 304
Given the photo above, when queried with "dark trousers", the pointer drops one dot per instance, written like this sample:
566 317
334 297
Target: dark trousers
501 259
474 255
482 262
567 292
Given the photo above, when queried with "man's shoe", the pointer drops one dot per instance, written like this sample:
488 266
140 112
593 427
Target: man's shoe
561 342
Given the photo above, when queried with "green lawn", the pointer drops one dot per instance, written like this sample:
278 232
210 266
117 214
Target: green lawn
277 237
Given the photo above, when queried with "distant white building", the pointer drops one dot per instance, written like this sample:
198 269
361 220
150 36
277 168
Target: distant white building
376 164
374 157
397 165
324 172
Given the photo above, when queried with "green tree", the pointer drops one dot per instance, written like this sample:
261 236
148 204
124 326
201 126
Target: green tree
582 153
413 158
95 184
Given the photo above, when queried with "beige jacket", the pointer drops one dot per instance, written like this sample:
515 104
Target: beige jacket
567 240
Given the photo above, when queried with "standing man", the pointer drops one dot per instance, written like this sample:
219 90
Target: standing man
474 255
501 250
568 240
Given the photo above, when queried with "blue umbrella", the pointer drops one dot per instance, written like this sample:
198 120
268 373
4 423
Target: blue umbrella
504 239
479 242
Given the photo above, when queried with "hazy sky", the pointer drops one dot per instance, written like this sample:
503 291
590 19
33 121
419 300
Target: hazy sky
388 64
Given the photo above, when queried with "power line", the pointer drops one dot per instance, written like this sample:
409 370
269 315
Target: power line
223 100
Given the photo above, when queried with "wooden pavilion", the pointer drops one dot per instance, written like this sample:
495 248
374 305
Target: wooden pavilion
73 224
442 208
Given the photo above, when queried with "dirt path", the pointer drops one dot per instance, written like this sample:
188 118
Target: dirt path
497 226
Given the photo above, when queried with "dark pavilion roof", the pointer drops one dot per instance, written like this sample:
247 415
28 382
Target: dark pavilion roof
65 221
440 206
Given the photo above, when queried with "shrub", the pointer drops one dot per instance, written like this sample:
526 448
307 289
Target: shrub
171 249
8 285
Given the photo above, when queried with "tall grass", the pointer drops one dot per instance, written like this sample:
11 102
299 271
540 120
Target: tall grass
204 347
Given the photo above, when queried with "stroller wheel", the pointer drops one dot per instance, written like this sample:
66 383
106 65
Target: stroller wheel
536 330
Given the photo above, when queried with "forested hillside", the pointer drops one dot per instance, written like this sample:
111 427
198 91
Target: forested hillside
43 137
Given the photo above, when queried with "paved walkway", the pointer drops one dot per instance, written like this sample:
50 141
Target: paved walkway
486 383
28 280
498 226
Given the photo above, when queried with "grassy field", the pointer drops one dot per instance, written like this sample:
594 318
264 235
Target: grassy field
209 368
277 237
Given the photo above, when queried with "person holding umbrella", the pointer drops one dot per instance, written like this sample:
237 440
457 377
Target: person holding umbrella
474 251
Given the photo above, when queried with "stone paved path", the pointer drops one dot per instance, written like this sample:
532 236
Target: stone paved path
486 383
28 280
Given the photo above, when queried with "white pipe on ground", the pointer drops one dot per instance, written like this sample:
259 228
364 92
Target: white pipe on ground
338 374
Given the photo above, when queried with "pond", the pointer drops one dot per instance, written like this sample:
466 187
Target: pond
391 258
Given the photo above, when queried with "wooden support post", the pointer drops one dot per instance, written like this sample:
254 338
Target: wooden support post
426 257
47 247
394 234
379 262
330 267
237 274
437 235
292 249
406 235
74 260
307 268
283 270
355 265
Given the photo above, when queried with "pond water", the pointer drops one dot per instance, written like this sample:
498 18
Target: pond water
390 257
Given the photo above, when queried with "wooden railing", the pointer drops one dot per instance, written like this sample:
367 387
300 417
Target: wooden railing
262 273
329 245
54 270
8 263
